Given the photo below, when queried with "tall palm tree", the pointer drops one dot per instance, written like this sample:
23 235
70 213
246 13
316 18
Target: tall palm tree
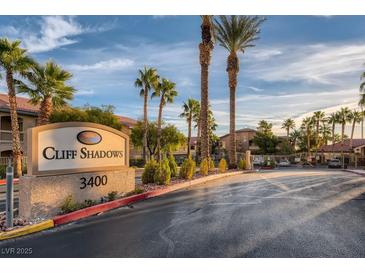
235 33
326 134
318 118
288 124
196 120
344 116
189 109
14 60
294 136
333 120
48 88
307 127
205 49
356 117
167 92
148 79
265 127
361 105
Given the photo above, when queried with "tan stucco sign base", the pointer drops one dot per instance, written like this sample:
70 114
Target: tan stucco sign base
41 197
84 160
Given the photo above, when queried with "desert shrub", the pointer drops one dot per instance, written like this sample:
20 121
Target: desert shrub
204 167
222 166
69 205
187 169
136 162
173 166
211 165
162 175
242 164
87 203
148 175
138 190
2 172
112 195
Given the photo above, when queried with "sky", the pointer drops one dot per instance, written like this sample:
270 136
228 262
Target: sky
300 64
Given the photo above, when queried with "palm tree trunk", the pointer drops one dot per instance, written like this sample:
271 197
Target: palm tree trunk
342 144
45 111
232 69
308 143
198 143
333 138
352 133
17 153
362 123
159 130
145 126
189 135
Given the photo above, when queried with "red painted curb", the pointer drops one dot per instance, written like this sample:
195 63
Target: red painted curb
3 181
86 212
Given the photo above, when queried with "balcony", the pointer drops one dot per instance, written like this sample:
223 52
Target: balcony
6 136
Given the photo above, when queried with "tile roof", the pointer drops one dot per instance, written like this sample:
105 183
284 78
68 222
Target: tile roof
23 104
126 121
246 129
337 147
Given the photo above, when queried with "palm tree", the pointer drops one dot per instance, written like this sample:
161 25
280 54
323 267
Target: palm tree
205 50
189 110
344 116
166 91
196 120
307 127
235 33
288 124
318 118
48 88
361 105
356 117
326 134
14 60
148 79
294 136
333 120
265 127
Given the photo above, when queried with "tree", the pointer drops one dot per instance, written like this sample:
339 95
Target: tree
307 127
189 109
318 118
205 49
361 105
148 79
293 138
266 142
326 134
100 115
196 120
14 60
356 117
343 118
265 127
235 33
48 88
333 120
288 124
166 91
171 138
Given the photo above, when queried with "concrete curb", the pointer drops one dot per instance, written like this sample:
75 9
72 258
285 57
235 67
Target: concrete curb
93 210
26 230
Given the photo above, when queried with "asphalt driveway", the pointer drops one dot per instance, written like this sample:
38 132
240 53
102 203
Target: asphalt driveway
282 213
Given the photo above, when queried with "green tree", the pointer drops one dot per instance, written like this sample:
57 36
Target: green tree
355 117
266 142
235 34
293 138
307 127
15 61
344 116
288 124
148 79
166 92
100 115
189 109
48 88
265 127
325 133
205 49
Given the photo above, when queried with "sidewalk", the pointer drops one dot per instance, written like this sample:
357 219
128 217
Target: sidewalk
356 171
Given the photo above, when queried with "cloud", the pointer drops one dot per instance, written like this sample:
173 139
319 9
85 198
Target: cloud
255 89
112 64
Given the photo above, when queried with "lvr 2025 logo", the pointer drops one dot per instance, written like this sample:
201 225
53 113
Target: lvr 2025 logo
89 137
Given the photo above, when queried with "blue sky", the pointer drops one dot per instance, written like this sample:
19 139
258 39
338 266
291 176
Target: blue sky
300 64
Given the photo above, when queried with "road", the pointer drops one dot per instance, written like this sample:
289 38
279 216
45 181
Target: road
285 213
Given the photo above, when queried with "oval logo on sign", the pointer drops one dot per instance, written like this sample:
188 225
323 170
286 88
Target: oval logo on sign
89 137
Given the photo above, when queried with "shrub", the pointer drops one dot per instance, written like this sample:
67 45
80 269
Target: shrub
149 171
187 169
69 205
242 164
211 165
138 190
136 162
173 166
162 175
204 167
2 172
87 203
222 166
112 195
